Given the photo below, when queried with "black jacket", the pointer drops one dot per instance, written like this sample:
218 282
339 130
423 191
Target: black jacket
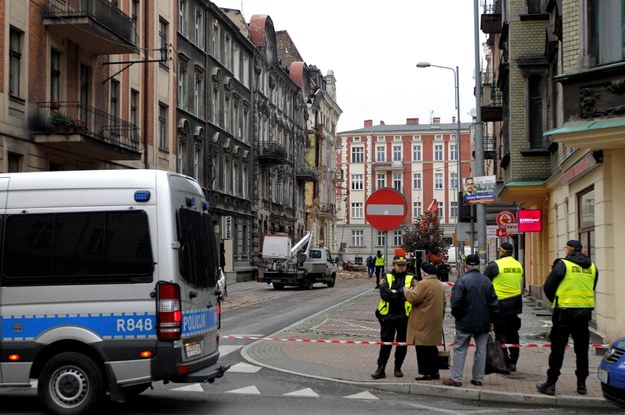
474 303
396 300
558 270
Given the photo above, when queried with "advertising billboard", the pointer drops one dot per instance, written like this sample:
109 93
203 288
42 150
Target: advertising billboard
530 220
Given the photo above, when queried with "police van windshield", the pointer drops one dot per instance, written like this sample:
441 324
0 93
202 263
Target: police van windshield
197 256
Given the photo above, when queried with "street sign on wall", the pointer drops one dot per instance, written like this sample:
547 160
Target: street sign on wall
385 209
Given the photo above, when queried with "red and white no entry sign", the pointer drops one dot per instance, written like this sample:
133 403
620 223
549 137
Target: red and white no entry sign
385 209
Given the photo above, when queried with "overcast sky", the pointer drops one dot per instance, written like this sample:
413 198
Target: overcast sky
373 47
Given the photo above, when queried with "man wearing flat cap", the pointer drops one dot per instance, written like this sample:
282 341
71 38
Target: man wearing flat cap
506 273
392 313
571 289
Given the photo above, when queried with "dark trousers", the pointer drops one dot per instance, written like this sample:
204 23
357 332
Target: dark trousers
569 322
393 330
507 331
427 360
378 271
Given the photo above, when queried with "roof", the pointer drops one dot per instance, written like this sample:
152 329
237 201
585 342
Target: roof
409 128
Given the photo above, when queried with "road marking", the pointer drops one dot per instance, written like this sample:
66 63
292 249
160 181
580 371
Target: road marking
303 392
249 390
243 367
195 387
226 350
362 395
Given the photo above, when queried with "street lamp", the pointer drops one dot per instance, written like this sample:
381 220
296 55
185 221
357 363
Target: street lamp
458 138
458 156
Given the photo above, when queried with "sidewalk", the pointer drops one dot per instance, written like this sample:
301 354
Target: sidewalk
354 320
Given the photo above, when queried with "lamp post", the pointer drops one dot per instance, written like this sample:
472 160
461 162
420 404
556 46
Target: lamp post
458 138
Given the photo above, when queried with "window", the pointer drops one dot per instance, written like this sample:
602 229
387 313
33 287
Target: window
416 152
162 127
416 180
381 238
381 181
216 41
182 81
586 220
380 153
227 53
77 248
114 107
181 156
85 91
453 209
182 17
397 239
438 152
397 156
453 152
134 107
15 62
198 87
535 6
55 75
397 181
358 238
357 155
416 209
440 209
236 61
162 39
357 182
357 210
134 13
15 162
535 111
198 28
438 180
453 181
606 25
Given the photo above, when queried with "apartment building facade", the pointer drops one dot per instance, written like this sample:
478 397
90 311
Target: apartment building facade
561 68
418 160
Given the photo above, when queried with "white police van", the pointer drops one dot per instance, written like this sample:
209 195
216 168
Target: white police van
107 284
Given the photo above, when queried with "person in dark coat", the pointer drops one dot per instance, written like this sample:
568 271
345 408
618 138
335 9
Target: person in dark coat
392 313
571 289
475 307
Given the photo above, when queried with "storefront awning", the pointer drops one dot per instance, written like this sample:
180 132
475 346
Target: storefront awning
608 133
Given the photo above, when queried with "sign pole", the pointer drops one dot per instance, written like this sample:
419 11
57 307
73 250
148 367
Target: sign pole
385 253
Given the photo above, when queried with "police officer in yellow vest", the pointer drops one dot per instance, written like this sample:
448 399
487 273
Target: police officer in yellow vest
506 273
379 268
571 289
392 313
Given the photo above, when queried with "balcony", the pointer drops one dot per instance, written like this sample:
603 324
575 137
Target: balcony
84 130
490 21
396 165
338 176
270 153
306 173
326 210
492 103
97 26
490 152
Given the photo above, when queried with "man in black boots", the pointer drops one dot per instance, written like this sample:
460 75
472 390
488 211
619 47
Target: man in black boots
571 289
392 313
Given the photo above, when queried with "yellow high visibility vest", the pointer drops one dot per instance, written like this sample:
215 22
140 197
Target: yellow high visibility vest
379 261
508 282
577 288
383 306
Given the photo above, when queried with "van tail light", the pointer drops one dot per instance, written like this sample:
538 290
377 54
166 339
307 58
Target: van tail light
168 312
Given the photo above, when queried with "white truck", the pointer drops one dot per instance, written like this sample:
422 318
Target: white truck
299 265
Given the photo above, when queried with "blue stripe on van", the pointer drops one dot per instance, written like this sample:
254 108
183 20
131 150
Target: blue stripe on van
107 326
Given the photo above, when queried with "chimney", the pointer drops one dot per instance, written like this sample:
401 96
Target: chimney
412 121
436 120
382 122
368 123
453 120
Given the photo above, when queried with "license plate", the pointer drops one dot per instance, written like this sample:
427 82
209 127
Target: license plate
602 375
192 349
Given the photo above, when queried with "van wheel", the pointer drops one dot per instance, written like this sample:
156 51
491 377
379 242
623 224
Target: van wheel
277 286
332 281
71 383
310 281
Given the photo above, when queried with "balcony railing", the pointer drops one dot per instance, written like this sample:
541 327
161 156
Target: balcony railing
96 25
272 153
491 17
306 172
96 126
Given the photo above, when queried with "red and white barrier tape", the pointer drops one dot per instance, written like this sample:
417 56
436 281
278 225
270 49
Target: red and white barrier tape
380 343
